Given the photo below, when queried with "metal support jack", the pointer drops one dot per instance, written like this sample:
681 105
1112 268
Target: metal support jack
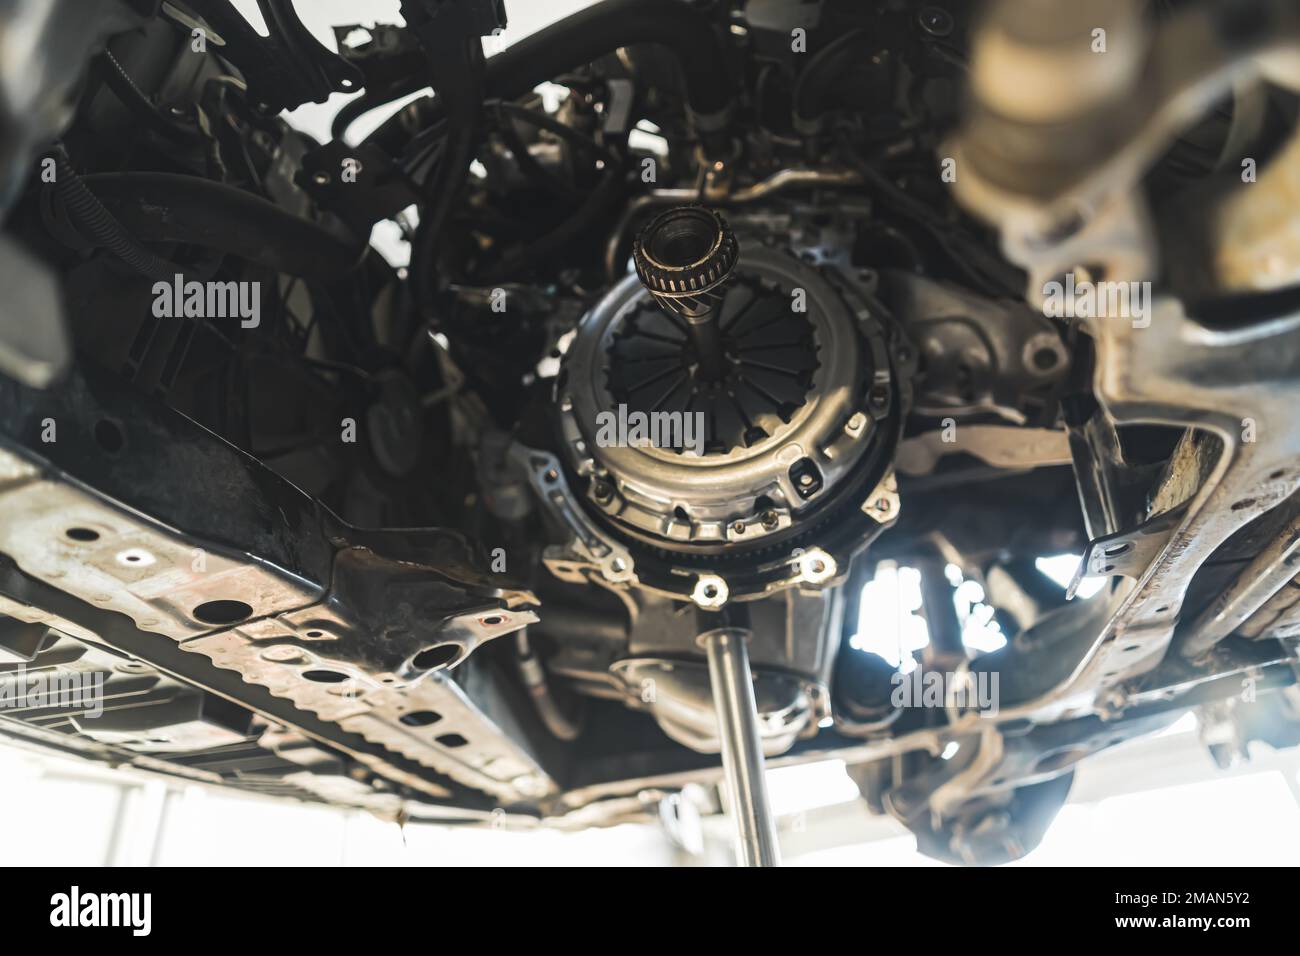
742 753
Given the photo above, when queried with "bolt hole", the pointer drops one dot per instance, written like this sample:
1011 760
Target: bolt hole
434 657
82 534
109 436
420 718
1044 359
452 740
325 677
1060 759
222 612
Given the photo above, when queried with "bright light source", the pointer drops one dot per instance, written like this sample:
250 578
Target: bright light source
553 94
1061 567
979 630
650 142
887 622
1186 724
808 786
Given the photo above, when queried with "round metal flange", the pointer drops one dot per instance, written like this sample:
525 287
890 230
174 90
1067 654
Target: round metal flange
787 423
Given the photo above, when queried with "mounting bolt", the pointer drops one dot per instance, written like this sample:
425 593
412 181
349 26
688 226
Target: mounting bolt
711 592
935 21
815 566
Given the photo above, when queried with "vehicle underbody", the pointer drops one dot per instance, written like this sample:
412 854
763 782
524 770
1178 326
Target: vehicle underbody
748 302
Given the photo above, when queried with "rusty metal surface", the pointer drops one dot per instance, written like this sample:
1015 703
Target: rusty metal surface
356 627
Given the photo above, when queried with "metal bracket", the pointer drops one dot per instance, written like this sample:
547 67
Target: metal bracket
285 69
590 548
1127 553
353 626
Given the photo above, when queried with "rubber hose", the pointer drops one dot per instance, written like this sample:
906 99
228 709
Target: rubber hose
810 90
94 221
165 207
553 716
559 240
458 72
140 106
580 39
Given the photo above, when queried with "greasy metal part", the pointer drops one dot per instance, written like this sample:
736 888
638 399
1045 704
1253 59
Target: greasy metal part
1278 617
710 592
815 474
587 553
976 355
1029 65
1002 446
683 258
1270 671
655 665
1255 241
1098 463
1060 174
300 642
1127 553
713 498
75 695
1060 182
533 673
653 373
60 609
677 693
1259 581
742 754
588 548
780 181
1229 384
354 627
